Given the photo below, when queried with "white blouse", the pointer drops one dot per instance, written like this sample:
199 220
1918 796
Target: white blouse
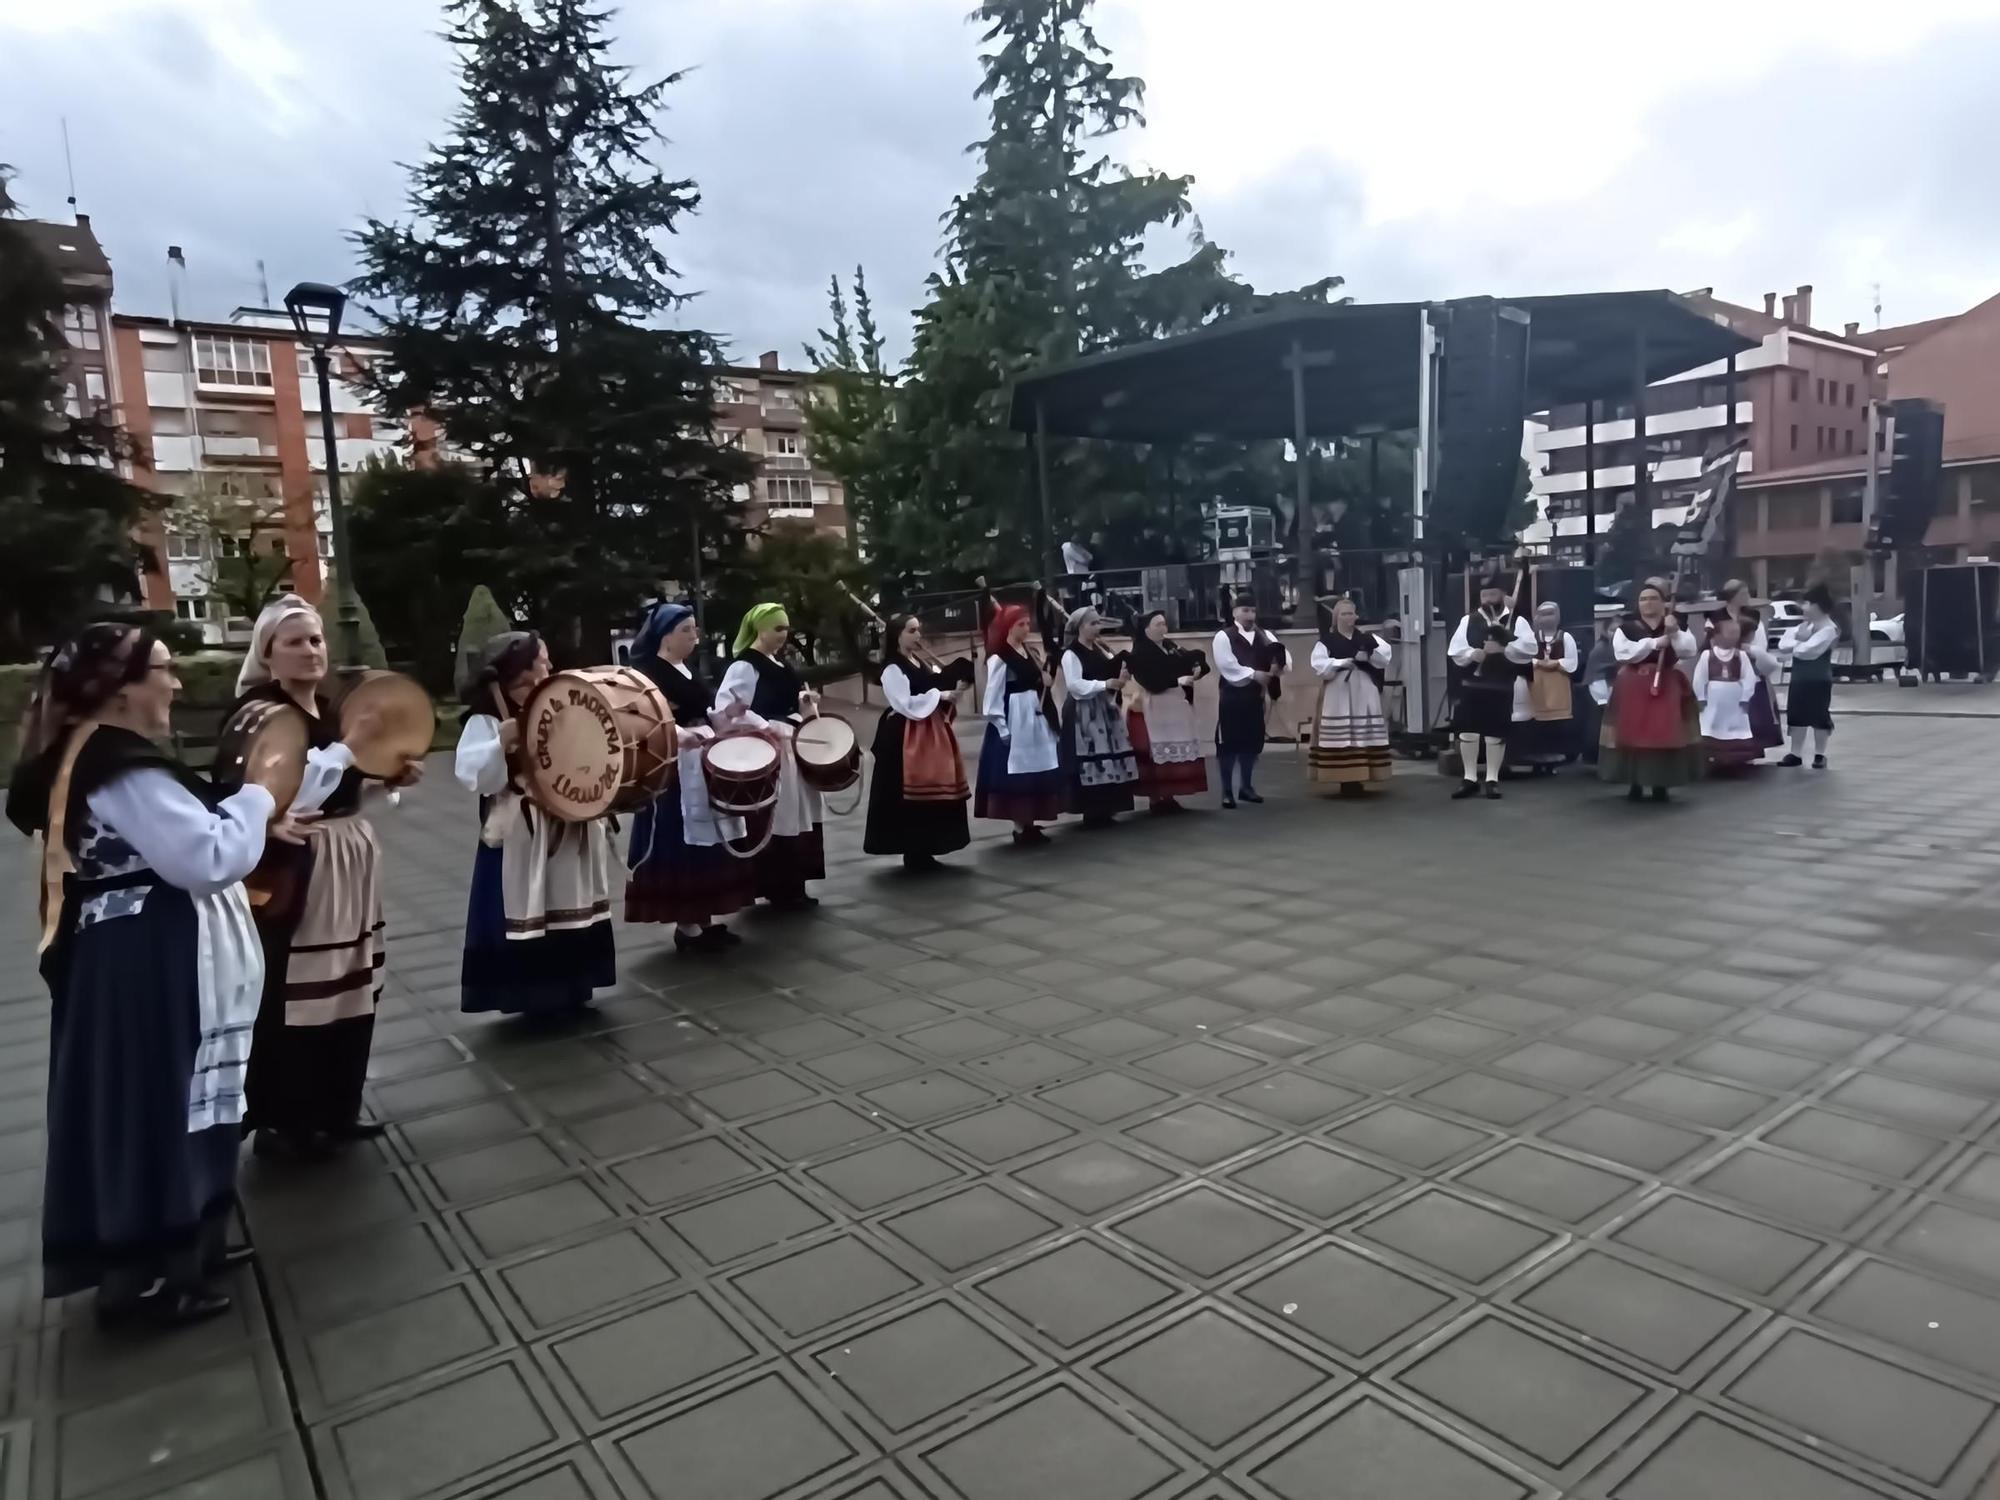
1808 642
180 840
1630 649
1075 684
1325 663
480 764
896 689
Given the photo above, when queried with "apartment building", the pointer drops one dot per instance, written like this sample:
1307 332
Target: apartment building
89 376
1800 398
761 409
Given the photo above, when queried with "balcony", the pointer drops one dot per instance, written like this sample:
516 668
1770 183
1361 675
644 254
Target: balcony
353 452
1694 419
795 463
1665 471
234 448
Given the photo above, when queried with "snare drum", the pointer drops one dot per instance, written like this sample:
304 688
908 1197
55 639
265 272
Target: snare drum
596 740
829 753
404 721
742 773
244 749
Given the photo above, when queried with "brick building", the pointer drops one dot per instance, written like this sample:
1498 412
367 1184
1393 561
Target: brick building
761 409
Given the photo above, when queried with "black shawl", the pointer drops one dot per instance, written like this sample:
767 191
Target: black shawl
688 696
1356 647
107 755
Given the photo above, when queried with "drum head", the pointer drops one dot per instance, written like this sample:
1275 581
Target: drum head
826 740
744 755
265 743
406 721
574 751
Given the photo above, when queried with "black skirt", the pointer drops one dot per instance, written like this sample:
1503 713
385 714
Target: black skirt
1809 704
129 1189
1484 710
897 826
1239 719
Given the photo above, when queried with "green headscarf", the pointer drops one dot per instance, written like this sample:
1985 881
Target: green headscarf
754 623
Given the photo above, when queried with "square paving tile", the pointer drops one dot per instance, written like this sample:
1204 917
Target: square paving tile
1622 1038
1093 1177
1200 1134
1727 1246
1001 1133
1757 1066
1196 1064
1626 1139
806 1291
916 1101
1375 1065
749 1443
380 1348
1211 1377
1707 1457
1042 1013
180 1418
754 1094
1461 1239
1487 1098
1654 1319
530 1218
1293 1098
565 1284
652 1352
1450 1035
1919 1313
1104 1097
1565 1067
384 1265
1545 1183
1320 1183
1939 1110
607 1137
485 1171
958 1037
968 1227
1346 1014
684 1171
1351 1302
869 1062
1372 1452
392 1452
1790 1189
749 1219
877 1175
1523 1389
920 1363
1052 1444
1908 1422
1940 1235
1114 1036
1276 1037
1023 1066
1409 1136
1205 1232
1695 1100
1076 1291
1880 1149
813 1131
1195 1013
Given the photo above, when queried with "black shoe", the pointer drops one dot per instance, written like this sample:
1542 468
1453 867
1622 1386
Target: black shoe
799 902
722 936
1028 837
360 1130
1659 794
1249 794
1819 762
1353 789
920 862
1492 791
1636 794
1791 760
1469 790
292 1145
232 1257
1227 800
163 1308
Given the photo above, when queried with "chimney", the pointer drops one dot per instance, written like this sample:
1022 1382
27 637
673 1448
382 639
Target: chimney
768 360
176 279
83 223
1851 330
1804 300
1791 307
1770 304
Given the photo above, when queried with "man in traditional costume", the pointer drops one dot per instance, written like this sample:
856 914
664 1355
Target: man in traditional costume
1483 711
1809 705
1252 664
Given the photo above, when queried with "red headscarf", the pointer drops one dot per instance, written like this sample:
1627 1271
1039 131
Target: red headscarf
1004 619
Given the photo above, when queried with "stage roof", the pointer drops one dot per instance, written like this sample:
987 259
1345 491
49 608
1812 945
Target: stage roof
1229 380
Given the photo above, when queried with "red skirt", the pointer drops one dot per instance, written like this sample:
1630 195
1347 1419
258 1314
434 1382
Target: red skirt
1179 778
1648 720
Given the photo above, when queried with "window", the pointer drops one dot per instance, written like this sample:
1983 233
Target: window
786 444
788 489
80 327
183 546
93 384
730 437
1850 435
784 398
191 611
325 540
219 360
1798 387
1850 393
1795 437
1797 512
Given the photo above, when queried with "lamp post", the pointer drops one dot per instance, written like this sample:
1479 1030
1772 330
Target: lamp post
316 308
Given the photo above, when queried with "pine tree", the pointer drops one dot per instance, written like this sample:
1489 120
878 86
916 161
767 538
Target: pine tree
66 516
483 619
851 417
520 308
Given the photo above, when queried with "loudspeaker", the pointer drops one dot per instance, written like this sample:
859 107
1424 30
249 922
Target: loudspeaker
1574 592
1951 619
1482 398
1916 475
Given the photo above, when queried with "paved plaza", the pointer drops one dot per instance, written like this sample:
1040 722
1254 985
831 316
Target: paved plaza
1402 1150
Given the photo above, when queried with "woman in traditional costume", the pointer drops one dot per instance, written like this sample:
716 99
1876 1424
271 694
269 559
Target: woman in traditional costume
769 688
680 870
1020 762
1098 765
1252 663
1725 677
538 919
916 801
1162 729
1765 731
1809 645
1350 743
1599 668
320 915
1544 735
156 972
1652 738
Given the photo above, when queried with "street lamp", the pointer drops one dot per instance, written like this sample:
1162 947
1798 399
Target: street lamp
316 308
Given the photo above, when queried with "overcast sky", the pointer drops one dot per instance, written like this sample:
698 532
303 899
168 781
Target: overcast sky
1419 150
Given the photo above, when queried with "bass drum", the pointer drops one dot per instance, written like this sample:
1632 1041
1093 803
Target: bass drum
829 753
596 740
265 742
404 720
741 770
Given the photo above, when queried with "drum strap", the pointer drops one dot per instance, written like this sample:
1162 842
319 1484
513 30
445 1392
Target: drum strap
56 862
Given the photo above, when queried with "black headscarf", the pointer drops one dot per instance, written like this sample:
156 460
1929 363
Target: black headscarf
1158 666
502 659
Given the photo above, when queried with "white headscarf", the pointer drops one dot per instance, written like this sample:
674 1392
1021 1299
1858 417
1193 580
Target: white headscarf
257 664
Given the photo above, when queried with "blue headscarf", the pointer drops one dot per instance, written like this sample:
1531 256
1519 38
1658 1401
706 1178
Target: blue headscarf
663 619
